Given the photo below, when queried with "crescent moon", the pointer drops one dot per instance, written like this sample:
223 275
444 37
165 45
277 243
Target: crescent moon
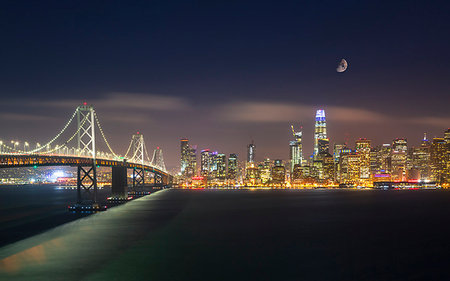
342 66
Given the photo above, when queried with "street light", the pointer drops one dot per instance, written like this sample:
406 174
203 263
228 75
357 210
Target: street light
25 145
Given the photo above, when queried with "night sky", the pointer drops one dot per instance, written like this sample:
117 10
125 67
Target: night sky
222 73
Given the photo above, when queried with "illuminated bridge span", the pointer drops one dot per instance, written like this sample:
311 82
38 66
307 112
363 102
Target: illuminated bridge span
78 149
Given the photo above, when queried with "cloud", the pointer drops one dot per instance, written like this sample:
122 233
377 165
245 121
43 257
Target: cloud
284 112
25 117
441 122
127 101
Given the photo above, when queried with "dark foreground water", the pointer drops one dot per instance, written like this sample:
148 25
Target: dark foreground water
247 235
29 210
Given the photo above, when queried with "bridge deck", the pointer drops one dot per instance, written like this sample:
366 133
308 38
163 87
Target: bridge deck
27 160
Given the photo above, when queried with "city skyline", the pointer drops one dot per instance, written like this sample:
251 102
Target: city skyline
347 164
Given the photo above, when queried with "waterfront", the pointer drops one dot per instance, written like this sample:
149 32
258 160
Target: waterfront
247 235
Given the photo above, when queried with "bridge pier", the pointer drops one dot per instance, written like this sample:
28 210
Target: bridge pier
86 179
119 182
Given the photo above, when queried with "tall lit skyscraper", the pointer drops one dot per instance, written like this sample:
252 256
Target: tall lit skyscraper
320 132
191 169
363 147
296 149
251 153
184 154
232 166
204 163
221 160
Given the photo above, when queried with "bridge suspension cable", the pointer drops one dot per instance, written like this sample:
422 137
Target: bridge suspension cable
57 136
103 135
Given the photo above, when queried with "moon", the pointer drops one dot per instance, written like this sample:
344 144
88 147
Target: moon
342 66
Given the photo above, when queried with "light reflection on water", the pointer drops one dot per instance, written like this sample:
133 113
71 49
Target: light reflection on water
246 235
82 244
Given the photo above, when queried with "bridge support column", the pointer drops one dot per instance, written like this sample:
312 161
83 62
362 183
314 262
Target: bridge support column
119 182
138 177
158 180
86 180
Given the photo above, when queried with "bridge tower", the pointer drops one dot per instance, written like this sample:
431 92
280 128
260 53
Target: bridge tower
158 159
87 175
138 151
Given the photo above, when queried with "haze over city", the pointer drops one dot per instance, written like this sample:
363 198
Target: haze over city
223 74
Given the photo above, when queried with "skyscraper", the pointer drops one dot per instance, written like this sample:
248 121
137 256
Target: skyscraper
191 169
320 133
398 159
232 166
363 149
221 160
204 163
251 153
438 157
184 154
296 149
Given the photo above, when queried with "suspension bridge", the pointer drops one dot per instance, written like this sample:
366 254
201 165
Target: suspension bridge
76 145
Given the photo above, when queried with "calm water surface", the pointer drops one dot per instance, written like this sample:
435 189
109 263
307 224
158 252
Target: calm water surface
247 235
29 210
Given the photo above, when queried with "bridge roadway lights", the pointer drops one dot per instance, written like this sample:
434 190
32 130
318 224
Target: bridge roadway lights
119 182
86 180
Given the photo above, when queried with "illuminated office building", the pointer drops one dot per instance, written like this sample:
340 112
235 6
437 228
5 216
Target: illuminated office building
447 136
184 155
251 153
204 163
420 159
363 149
350 171
221 164
320 133
400 145
385 155
439 160
328 167
296 153
278 172
232 166
213 168
399 159
337 151
264 171
191 169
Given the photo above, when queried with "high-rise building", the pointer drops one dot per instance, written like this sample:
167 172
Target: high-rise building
232 166
184 155
251 153
264 171
337 151
204 163
447 136
221 161
439 158
296 149
399 159
191 169
400 145
320 133
350 171
278 172
363 149
420 159
213 168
